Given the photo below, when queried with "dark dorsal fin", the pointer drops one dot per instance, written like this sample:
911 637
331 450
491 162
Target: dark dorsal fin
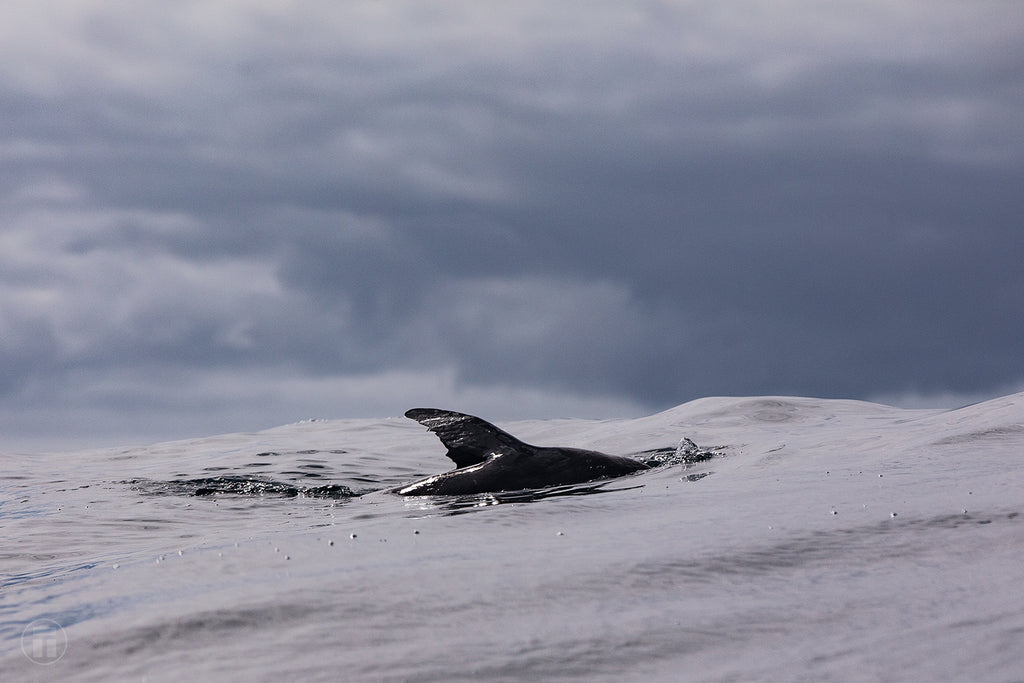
469 439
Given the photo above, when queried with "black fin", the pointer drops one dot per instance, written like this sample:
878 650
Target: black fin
469 439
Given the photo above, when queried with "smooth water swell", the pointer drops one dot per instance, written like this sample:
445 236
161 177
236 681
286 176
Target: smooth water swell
823 539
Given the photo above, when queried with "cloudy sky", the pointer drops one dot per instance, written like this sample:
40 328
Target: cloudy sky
223 215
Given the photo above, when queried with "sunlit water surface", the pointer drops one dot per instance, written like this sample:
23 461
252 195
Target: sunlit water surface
820 540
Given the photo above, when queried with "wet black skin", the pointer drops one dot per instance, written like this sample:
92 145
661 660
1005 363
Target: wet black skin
488 459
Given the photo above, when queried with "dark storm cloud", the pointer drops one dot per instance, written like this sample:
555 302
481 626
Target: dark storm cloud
224 215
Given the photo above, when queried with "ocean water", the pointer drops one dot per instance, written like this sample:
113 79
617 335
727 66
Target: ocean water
822 540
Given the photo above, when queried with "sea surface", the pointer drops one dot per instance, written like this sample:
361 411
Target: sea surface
811 540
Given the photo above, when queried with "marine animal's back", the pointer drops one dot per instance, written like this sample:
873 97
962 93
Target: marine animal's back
489 460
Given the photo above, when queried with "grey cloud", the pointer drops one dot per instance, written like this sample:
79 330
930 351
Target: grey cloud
630 206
